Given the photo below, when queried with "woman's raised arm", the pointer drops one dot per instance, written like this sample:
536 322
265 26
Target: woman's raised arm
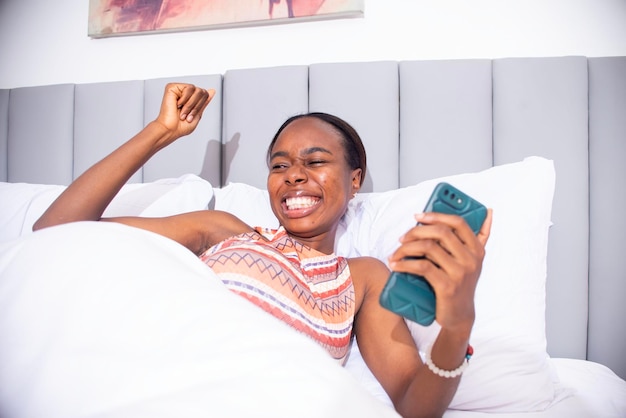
89 195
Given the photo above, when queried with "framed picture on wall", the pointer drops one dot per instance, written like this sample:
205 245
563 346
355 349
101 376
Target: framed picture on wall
128 17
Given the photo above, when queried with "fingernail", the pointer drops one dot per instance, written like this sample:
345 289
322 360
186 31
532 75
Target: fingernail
183 116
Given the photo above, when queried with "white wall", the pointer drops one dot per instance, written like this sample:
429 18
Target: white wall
46 42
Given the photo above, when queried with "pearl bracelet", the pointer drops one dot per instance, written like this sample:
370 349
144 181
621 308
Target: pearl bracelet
449 374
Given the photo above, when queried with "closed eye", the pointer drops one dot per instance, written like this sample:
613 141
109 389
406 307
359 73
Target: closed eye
316 162
278 166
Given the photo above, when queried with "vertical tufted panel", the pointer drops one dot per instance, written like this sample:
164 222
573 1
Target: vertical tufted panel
445 118
607 154
366 96
40 136
199 153
4 130
256 102
541 108
106 116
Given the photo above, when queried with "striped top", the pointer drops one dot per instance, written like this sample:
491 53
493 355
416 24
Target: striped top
310 291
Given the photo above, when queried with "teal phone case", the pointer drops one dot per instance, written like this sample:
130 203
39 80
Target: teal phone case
410 295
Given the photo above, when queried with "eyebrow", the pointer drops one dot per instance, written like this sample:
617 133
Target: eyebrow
307 151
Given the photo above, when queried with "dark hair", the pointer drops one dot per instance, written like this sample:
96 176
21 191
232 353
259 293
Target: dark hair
352 144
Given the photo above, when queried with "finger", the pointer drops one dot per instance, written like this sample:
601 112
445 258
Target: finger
436 276
440 244
188 110
202 105
485 230
457 223
443 234
426 251
172 96
466 240
194 102
418 266
412 249
183 93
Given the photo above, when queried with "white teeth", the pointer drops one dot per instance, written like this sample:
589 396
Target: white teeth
300 202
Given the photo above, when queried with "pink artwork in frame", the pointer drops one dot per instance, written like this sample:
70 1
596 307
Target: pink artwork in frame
127 17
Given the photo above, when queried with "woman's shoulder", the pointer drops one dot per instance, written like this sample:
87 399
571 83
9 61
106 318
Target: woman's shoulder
365 268
369 276
208 227
366 261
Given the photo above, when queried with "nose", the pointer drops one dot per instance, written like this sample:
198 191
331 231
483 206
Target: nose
295 174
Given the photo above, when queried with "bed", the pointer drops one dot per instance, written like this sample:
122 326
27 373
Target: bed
105 320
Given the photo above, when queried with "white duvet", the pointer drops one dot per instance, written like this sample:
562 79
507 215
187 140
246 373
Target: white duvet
104 320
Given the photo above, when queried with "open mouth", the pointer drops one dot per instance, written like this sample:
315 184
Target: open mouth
301 202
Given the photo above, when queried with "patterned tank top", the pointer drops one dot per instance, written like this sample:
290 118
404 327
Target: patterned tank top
310 291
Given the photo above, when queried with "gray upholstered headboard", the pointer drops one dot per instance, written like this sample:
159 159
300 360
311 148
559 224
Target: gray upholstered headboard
418 119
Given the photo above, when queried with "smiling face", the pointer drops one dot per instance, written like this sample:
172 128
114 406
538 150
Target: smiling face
310 181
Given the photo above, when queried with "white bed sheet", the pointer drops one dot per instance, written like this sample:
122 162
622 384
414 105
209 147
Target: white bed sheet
591 390
597 392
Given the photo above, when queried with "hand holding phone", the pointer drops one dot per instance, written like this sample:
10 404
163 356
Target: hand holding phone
410 295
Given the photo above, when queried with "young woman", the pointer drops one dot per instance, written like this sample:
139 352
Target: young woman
316 165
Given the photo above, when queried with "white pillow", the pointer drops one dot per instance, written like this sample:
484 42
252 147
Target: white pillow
163 197
248 203
509 371
20 203
23 203
114 321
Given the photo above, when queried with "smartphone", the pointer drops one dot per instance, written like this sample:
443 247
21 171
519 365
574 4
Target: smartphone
410 295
